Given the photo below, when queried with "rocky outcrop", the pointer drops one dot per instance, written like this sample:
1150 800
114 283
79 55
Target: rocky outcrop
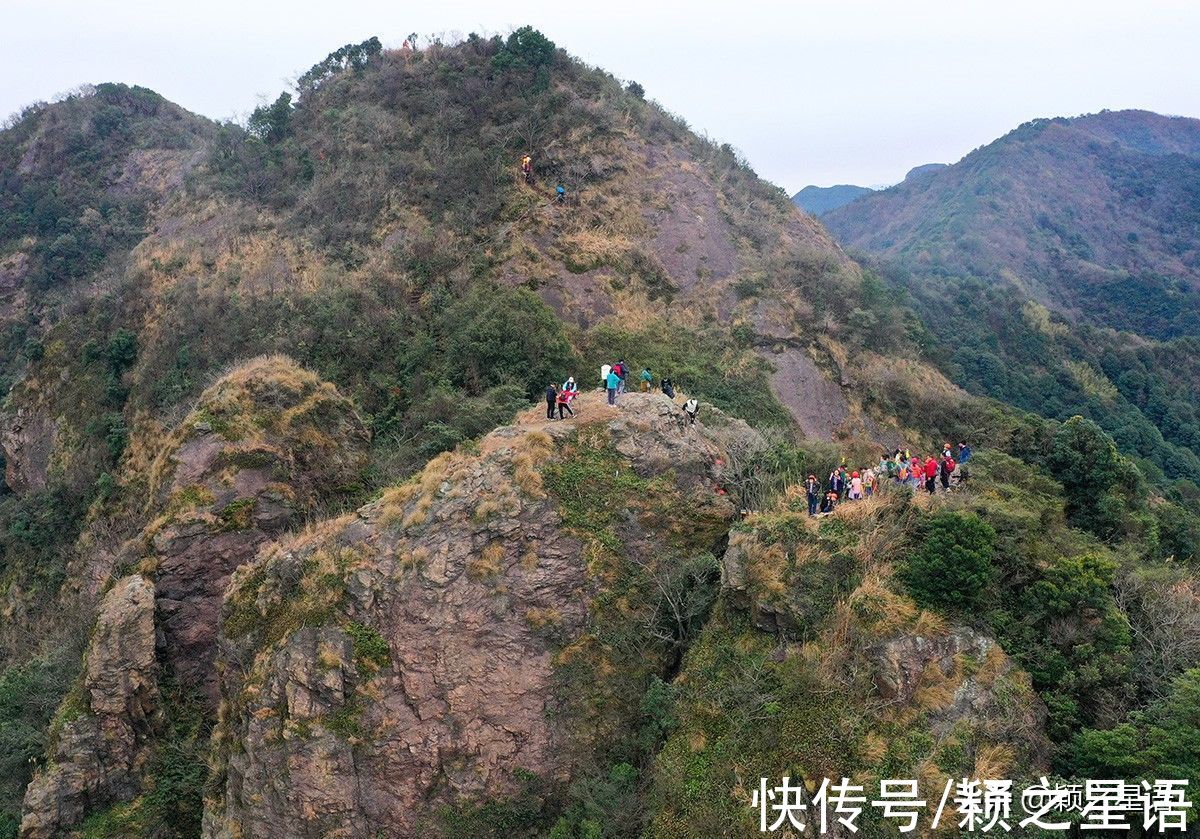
263 448
971 680
28 440
817 665
99 751
414 656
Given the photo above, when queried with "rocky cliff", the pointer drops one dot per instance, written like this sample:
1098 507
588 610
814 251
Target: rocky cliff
499 616
263 448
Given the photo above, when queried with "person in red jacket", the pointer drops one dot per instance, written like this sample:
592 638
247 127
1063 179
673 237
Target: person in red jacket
947 468
931 470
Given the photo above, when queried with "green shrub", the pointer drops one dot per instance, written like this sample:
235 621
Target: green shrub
952 566
526 48
506 336
1161 741
369 645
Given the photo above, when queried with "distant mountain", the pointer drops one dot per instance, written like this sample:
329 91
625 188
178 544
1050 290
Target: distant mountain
1059 270
924 169
819 200
1097 216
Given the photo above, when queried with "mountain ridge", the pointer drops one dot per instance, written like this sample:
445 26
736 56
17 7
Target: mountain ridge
286 551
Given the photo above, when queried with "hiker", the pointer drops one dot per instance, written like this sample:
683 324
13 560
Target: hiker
646 380
691 408
964 454
871 482
560 193
611 383
845 473
622 371
902 472
812 488
604 371
931 470
916 472
836 482
829 504
946 451
947 468
564 401
856 487
668 387
527 168
551 399
570 385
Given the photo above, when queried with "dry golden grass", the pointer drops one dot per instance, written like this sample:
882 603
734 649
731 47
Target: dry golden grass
995 760
540 618
530 451
936 689
488 563
529 560
767 567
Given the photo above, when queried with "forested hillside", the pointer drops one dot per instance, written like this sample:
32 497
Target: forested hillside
284 551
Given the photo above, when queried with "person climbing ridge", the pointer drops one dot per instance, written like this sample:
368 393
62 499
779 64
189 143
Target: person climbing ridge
836 482
691 408
622 372
569 384
856 487
931 470
646 380
964 454
668 387
604 371
560 194
527 168
551 399
947 468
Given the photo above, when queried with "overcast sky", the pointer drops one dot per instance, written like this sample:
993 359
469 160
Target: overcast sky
811 92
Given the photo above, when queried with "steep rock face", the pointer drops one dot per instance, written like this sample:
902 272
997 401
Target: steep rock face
467 627
28 441
262 448
98 753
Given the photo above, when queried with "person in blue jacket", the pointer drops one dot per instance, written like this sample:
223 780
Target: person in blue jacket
614 382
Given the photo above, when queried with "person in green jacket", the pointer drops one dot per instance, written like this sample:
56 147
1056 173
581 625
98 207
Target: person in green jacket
646 380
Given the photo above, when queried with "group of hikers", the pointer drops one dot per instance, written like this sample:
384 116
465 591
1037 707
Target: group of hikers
560 191
899 468
612 380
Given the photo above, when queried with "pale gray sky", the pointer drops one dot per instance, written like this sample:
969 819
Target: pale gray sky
842 91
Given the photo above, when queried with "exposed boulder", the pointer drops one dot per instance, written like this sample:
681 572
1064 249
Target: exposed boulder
500 614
